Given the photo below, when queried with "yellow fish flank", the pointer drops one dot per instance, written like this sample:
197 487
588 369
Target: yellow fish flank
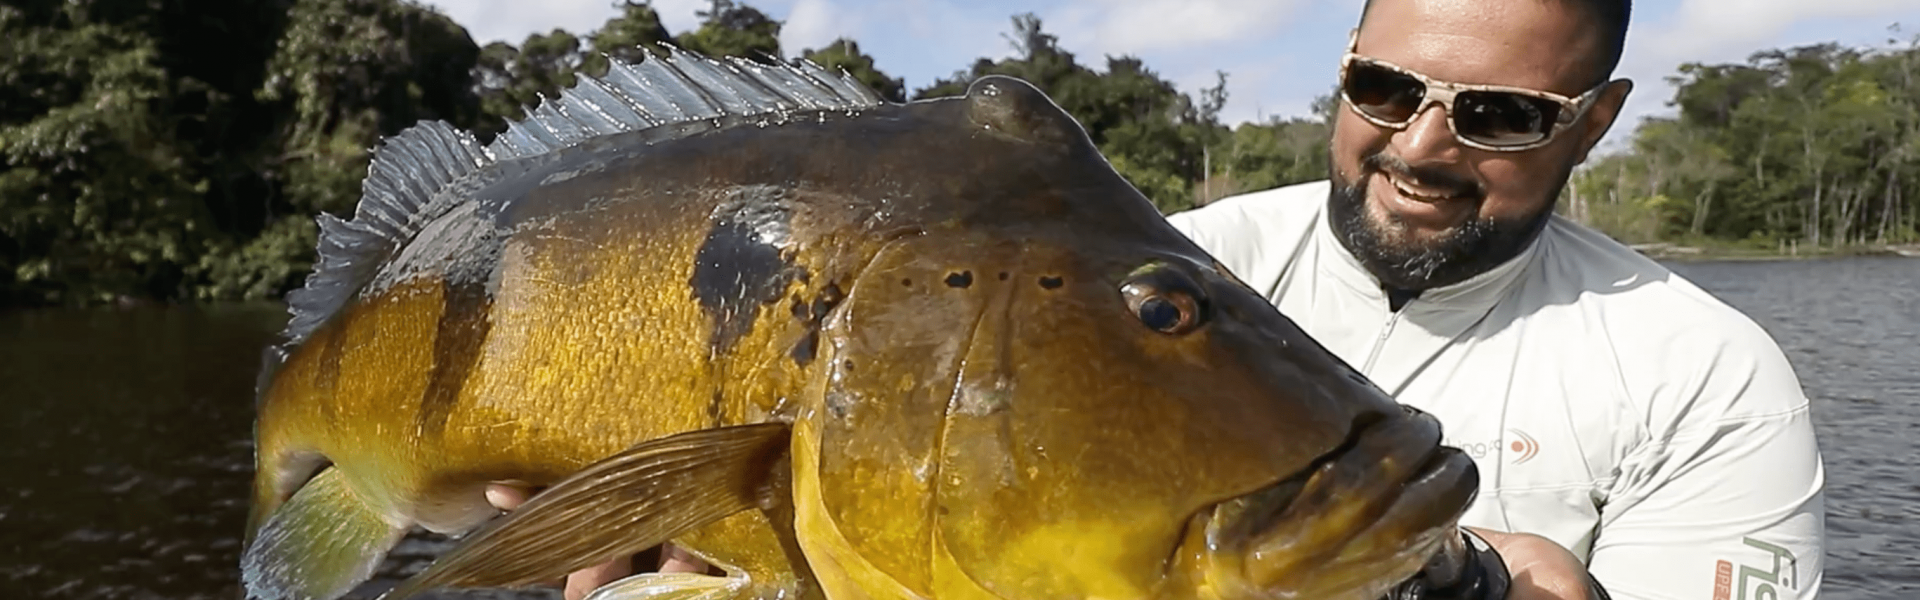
839 347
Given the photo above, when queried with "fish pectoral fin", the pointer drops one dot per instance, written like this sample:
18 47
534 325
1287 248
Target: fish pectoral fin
679 586
629 502
319 544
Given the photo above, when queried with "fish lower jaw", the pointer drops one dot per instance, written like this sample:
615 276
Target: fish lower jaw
1357 522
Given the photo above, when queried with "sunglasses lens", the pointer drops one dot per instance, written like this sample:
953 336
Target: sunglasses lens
1382 93
1503 119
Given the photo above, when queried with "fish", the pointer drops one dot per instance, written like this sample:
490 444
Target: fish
836 346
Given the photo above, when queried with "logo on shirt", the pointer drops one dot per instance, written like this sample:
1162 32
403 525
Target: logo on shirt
1516 447
1523 447
1757 583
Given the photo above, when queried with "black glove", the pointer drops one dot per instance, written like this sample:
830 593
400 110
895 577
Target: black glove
1466 568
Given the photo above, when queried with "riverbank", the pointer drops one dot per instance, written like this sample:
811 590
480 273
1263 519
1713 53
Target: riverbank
1673 251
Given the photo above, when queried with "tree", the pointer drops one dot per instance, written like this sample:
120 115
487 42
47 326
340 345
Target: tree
1154 135
344 74
729 29
1810 146
844 55
97 199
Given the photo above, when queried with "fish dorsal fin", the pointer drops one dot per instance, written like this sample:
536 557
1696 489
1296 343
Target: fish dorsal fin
426 170
405 173
677 88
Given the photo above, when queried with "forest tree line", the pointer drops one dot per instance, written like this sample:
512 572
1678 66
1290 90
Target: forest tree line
1815 148
179 151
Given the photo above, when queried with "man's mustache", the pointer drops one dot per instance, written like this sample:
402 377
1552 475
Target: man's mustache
1426 177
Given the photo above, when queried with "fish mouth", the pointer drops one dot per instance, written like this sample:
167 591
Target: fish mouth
1358 520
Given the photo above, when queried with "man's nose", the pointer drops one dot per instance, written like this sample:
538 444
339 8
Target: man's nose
1427 138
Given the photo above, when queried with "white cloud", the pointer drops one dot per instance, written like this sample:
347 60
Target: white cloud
511 21
814 24
679 15
1707 28
1140 26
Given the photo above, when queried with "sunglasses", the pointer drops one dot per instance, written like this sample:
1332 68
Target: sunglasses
1488 117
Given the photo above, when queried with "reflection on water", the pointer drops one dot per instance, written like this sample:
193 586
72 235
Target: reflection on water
127 457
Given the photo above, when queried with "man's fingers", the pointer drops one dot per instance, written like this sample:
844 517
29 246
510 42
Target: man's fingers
675 560
507 495
584 581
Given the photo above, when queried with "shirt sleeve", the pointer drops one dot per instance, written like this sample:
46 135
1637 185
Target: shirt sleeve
1724 498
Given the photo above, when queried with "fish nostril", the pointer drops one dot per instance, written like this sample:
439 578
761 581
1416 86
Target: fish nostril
961 279
1051 282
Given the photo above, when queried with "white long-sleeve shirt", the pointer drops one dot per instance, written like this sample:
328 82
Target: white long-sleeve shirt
1610 405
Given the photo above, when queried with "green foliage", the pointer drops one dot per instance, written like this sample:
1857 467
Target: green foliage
729 29
1154 135
344 74
845 55
627 37
1807 147
148 152
96 199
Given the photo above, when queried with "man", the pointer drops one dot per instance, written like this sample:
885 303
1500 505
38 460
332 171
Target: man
1631 431
1642 427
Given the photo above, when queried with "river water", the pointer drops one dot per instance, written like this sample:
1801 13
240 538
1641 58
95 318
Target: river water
126 457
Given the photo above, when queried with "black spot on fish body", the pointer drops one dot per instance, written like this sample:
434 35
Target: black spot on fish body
829 297
904 282
741 265
809 345
811 316
801 310
961 279
1003 275
1051 282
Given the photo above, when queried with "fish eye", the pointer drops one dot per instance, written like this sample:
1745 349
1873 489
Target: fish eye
1165 300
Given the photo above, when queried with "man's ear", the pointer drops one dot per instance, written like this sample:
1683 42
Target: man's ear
1601 117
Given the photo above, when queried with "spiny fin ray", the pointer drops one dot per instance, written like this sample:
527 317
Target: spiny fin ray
405 173
679 87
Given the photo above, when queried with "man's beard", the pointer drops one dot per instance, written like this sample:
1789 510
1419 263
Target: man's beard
1401 262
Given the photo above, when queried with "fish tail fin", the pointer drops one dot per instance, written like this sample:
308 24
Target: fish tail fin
317 545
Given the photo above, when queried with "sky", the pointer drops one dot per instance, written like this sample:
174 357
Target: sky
1278 54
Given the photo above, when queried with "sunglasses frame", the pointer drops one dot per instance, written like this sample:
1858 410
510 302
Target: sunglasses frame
1445 92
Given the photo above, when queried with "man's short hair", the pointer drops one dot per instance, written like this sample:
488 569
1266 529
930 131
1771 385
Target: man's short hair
1610 18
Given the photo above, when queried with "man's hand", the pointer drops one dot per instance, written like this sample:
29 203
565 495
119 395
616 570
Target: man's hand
510 495
1541 569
